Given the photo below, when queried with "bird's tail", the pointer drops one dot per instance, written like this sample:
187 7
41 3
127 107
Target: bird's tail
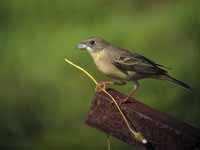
173 80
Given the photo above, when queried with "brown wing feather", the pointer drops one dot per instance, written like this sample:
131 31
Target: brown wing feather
138 63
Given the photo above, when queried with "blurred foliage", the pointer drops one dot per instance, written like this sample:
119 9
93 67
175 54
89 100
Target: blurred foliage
44 101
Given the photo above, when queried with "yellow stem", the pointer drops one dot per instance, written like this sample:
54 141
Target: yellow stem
108 142
83 70
138 136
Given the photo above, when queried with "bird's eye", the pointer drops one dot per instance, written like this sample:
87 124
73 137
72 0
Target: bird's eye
92 42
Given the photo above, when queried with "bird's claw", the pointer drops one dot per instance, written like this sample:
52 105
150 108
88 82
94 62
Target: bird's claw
103 85
125 100
100 86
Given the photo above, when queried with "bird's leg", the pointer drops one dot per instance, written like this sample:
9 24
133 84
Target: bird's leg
132 93
103 85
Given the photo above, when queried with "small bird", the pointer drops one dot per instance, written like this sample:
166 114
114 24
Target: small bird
124 65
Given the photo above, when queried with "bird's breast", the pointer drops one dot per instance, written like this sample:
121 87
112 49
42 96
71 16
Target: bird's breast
105 65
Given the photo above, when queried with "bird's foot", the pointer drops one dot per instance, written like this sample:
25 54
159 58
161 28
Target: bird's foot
131 94
125 100
103 85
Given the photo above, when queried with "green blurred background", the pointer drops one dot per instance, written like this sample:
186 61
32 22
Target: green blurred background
44 101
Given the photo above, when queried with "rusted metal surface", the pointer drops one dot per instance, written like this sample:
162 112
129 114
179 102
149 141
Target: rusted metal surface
162 131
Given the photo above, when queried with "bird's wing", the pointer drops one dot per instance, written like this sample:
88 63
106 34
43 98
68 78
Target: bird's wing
137 63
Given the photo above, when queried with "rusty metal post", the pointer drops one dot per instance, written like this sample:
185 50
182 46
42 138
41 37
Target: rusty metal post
162 131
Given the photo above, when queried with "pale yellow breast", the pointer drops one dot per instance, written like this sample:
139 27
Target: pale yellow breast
104 64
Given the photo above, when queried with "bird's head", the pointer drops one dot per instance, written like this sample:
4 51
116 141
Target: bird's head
93 44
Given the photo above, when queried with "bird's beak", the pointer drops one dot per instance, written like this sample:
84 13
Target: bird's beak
81 46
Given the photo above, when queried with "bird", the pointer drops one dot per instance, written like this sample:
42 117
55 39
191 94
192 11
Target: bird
124 65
